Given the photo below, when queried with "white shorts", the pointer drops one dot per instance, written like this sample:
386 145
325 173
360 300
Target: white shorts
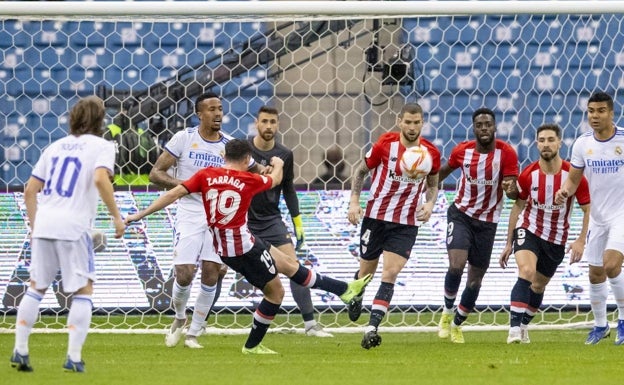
193 242
75 259
601 238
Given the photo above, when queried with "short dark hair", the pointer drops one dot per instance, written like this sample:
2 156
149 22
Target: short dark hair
204 96
481 111
600 96
87 116
236 150
268 110
411 108
552 127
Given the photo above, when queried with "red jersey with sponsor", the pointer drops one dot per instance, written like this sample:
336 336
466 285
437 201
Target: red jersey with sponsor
226 195
394 197
480 191
541 215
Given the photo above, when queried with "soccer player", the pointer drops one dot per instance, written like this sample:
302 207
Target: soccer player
265 217
393 214
227 193
61 198
599 155
489 167
539 230
191 150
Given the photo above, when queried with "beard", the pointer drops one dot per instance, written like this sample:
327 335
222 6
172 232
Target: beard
548 156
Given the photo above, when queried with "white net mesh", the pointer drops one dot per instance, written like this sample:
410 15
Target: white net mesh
338 82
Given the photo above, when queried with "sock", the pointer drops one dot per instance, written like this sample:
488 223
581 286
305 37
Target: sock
598 293
466 304
78 322
179 298
204 302
309 278
617 287
381 303
27 313
520 294
262 318
216 297
452 280
303 299
535 301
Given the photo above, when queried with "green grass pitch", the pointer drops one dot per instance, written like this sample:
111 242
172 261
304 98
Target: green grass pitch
553 357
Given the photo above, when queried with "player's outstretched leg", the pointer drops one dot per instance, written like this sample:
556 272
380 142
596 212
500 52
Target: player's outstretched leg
354 307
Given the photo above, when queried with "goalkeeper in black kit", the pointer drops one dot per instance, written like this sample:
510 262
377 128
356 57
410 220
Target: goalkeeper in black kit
265 217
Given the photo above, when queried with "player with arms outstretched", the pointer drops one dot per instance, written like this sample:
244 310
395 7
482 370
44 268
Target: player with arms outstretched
189 151
227 193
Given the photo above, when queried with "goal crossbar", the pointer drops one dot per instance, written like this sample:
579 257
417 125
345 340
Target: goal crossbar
273 9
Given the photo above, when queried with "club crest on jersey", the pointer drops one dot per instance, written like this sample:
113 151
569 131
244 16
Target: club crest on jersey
495 167
618 150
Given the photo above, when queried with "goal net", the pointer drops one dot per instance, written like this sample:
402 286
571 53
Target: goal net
338 72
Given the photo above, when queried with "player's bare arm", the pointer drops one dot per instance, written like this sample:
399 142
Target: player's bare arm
357 184
102 181
431 196
444 172
31 190
516 209
160 203
159 176
510 187
577 247
569 186
257 168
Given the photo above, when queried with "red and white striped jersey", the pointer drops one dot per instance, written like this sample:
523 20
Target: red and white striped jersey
226 195
480 192
541 215
394 197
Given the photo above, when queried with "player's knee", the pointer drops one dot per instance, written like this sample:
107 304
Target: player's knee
184 274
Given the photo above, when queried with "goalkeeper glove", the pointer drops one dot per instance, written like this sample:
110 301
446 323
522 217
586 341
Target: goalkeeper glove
298 223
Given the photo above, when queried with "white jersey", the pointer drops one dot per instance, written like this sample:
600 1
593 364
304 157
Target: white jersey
603 166
68 202
194 153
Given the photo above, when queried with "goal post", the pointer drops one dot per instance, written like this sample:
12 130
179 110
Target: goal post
338 72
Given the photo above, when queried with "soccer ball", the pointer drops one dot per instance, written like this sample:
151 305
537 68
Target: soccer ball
416 162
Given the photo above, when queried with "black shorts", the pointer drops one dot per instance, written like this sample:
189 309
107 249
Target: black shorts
257 265
272 231
377 236
549 255
466 233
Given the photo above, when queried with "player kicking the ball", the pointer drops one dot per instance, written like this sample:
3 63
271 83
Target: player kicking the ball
227 193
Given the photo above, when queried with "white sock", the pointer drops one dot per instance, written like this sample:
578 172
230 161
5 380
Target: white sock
78 322
617 287
309 324
598 293
27 313
202 307
179 298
